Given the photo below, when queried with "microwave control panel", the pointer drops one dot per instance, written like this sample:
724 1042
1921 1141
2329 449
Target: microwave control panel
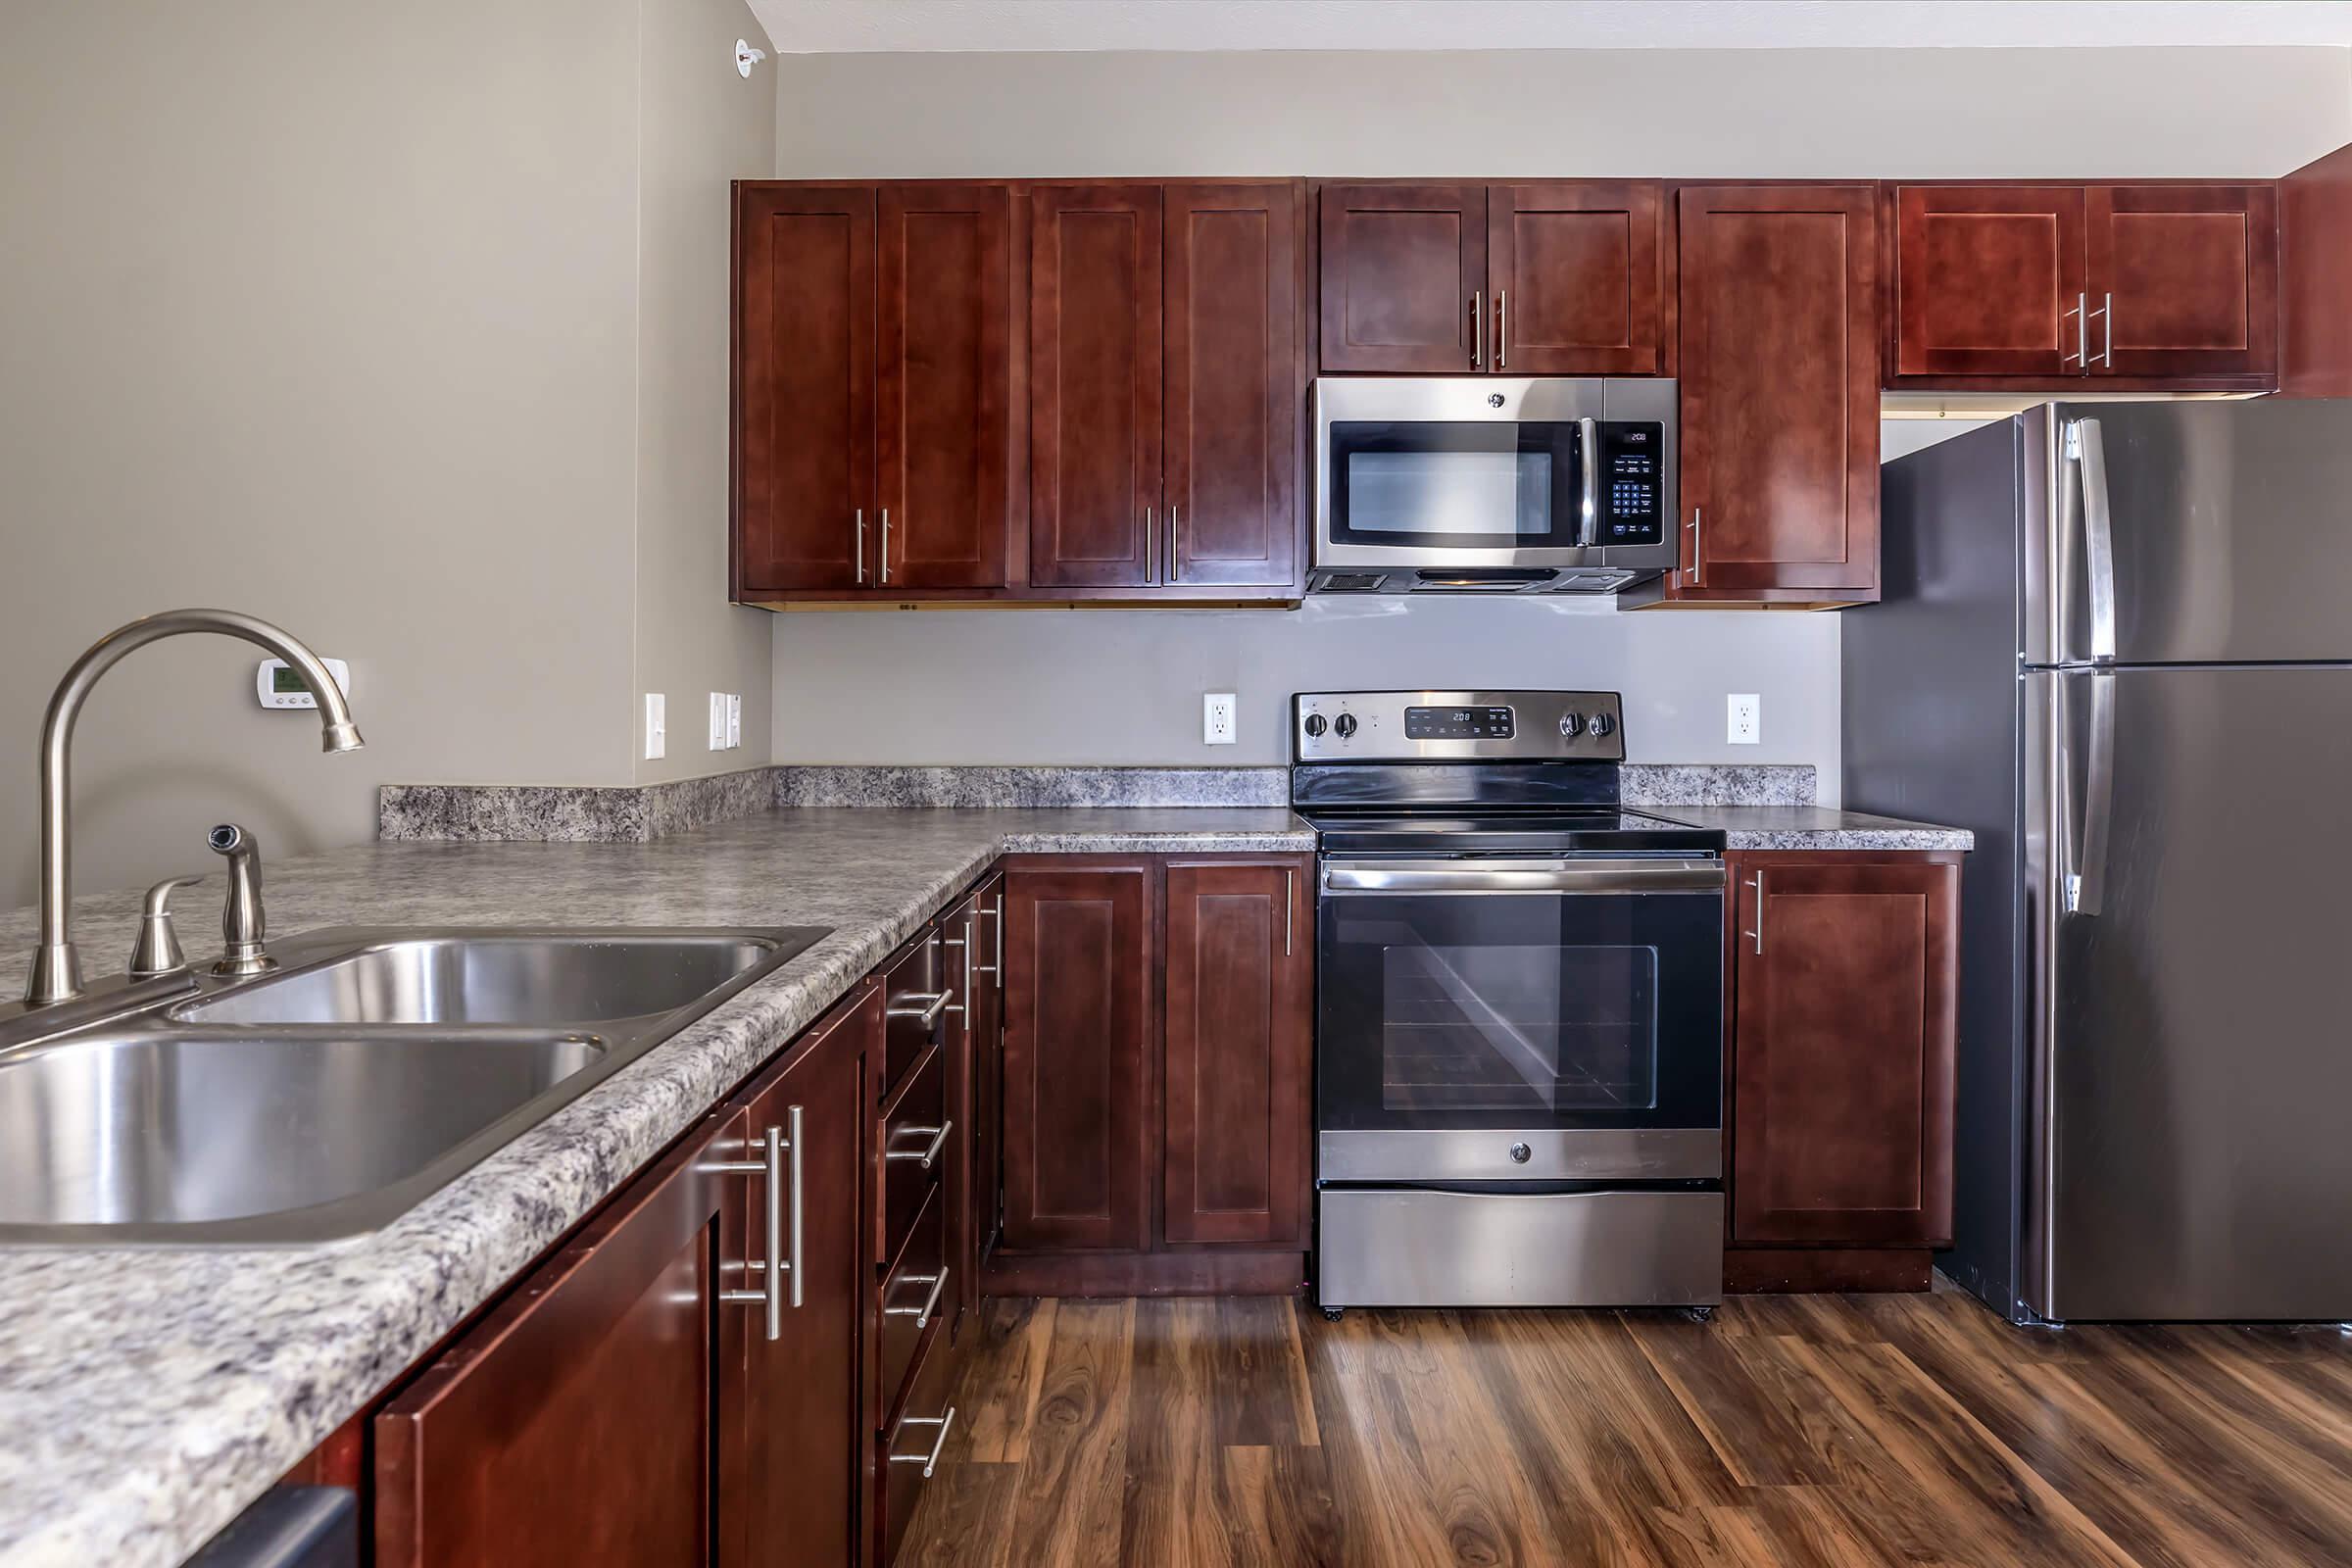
1631 455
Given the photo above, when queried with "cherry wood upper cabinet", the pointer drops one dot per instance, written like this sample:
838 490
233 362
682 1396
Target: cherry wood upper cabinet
804 385
1989 280
2184 279
577 1421
1077 1041
1094 385
799 1410
1574 278
1780 393
1404 271
1239 1054
944 384
1843 1051
1233 404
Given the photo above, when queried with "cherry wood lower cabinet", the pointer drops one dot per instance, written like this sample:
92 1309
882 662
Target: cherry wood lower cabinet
1155 1112
582 1419
1843 1033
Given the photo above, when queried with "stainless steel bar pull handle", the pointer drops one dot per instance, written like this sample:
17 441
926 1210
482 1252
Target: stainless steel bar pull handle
1587 458
933 1004
2106 314
1174 514
886 543
1478 329
966 942
2082 334
995 911
1692 570
860 517
1290 907
921 1314
939 1141
1757 935
779 1265
929 1461
1503 338
1150 546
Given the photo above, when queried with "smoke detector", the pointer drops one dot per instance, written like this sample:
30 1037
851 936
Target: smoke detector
746 57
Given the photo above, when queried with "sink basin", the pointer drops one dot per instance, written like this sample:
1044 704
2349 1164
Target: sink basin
173 1129
495 978
330 1097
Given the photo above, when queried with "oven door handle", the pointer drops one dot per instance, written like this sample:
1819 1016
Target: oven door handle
1523 876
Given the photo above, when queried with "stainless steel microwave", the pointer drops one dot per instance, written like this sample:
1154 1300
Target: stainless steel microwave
1492 484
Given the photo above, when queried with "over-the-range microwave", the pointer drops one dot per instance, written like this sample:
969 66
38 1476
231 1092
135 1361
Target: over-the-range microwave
1492 484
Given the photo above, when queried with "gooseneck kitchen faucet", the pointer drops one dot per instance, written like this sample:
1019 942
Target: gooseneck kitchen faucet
56 967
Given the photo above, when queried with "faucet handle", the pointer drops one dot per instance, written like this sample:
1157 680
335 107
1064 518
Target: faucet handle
158 951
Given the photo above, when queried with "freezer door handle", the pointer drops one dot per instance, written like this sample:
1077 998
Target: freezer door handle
2087 446
2086 872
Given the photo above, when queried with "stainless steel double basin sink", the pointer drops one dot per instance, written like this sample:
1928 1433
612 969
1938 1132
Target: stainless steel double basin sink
329 1097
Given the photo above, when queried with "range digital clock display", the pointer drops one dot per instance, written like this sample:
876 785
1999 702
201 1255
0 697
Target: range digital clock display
1457 724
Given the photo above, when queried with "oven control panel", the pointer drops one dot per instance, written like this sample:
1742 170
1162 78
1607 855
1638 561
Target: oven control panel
1447 726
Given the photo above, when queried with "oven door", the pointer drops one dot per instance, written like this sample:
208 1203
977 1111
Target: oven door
1520 1019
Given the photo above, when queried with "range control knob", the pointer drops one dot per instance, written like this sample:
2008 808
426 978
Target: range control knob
1344 724
1603 726
1316 723
1571 725
1521 1154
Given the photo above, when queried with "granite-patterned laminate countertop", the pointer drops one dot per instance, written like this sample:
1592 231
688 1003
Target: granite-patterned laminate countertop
147 1397
1814 827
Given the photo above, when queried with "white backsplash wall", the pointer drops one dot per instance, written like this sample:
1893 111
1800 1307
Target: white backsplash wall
1124 686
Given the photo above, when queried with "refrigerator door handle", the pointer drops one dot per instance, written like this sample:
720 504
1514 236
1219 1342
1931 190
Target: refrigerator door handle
2086 875
2086 445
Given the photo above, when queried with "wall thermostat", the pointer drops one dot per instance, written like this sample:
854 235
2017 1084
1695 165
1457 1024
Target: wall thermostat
279 684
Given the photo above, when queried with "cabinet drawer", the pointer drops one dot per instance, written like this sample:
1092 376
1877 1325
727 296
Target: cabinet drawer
915 1294
914 1138
911 1442
915 1007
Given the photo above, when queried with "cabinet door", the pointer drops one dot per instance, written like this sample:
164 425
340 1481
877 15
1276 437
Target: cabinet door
576 1423
1842 1052
798 1412
1094 386
2188 279
804 387
1779 388
945 385
1077 1156
1239 1023
1989 280
1404 271
1234 412
1574 275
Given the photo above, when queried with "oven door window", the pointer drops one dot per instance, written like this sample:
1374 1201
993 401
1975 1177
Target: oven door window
1457 484
1526 1011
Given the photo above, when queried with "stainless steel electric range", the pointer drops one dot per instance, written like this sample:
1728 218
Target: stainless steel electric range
1519 1008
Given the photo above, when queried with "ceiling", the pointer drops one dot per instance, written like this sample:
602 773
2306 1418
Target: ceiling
860 26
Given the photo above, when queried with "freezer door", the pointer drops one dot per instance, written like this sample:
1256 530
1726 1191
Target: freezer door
2187 870
2222 532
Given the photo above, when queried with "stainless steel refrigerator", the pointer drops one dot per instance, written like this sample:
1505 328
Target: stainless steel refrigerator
2116 641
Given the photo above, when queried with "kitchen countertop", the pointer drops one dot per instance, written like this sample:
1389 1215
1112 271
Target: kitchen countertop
147 1397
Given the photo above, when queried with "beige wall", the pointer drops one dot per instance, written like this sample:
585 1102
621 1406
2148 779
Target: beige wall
703 127
332 313
1125 686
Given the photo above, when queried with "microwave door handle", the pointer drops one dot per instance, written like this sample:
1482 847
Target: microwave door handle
1587 454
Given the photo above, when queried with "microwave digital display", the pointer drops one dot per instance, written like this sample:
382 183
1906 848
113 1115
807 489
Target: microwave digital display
1457 724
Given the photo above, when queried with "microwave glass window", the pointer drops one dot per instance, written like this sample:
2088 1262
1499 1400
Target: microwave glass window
1460 484
1448 495
1535 1030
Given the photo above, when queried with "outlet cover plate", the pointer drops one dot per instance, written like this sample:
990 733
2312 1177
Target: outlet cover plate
1744 720
1216 718
656 725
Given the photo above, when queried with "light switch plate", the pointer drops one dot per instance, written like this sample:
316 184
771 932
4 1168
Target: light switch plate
719 722
1743 724
1216 718
656 725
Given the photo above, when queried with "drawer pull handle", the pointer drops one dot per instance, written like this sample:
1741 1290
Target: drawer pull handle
1757 935
934 1002
929 1461
939 1141
921 1314
779 1266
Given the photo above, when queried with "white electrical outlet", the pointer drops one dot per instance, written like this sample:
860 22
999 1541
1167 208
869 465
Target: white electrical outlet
1745 725
719 722
734 720
656 725
1216 718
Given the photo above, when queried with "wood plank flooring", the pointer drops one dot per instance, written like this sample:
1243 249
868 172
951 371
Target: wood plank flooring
1912 1430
